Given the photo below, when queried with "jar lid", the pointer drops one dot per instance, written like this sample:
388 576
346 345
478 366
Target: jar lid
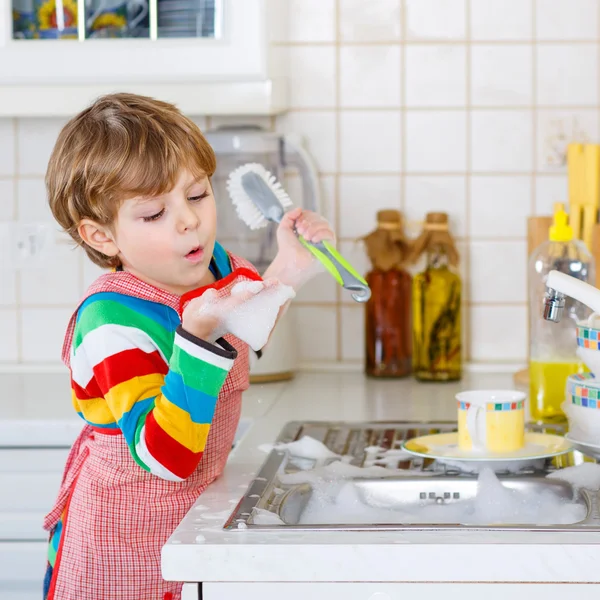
389 217
437 218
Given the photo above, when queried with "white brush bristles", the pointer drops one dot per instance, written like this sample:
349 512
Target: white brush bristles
243 202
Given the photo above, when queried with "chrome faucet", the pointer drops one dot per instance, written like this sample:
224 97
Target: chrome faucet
554 304
560 285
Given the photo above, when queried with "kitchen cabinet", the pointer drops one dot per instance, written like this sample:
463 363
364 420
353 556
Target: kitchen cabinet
394 591
207 56
29 482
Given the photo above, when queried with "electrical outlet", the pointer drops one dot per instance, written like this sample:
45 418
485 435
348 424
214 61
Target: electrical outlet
25 245
561 132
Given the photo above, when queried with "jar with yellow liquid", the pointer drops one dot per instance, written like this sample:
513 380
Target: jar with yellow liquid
436 301
552 346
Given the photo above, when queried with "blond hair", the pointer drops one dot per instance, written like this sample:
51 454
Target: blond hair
122 146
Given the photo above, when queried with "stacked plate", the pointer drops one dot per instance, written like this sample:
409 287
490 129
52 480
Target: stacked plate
582 407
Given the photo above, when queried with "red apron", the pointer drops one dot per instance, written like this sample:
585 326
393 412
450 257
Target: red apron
116 516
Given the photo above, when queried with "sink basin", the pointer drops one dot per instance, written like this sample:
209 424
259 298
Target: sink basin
426 496
385 503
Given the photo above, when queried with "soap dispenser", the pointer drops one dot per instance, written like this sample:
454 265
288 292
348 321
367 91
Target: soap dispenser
552 346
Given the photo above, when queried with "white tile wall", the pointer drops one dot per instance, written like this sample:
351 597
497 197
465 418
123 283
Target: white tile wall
463 106
436 75
501 20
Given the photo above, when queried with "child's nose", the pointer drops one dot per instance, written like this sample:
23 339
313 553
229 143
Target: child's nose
188 218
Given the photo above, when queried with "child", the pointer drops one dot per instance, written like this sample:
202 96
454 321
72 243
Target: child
129 180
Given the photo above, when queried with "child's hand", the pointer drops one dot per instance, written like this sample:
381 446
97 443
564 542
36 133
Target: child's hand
311 226
204 316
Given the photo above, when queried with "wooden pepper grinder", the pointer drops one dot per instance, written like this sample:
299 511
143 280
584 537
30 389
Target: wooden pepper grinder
387 320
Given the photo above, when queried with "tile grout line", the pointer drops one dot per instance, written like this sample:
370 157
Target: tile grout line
434 174
534 153
440 41
17 278
403 144
466 284
534 96
337 201
292 175
435 108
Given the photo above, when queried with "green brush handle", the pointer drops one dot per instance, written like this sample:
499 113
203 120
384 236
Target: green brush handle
340 268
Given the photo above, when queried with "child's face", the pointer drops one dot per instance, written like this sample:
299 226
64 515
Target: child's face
168 240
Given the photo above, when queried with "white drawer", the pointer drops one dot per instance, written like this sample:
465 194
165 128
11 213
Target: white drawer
28 591
398 591
33 460
29 482
23 563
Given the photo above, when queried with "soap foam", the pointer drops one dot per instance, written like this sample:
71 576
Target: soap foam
251 321
586 475
340 470
307 447
344 502
265 517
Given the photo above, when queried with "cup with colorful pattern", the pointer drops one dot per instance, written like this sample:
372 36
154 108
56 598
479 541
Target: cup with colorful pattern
588 344
491 421
582 407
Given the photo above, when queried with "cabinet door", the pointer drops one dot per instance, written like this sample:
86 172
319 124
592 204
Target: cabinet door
129 42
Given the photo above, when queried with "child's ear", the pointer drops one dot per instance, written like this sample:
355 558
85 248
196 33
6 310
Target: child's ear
97 237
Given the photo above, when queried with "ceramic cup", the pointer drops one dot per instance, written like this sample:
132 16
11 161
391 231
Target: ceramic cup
491 420
582 407
588 344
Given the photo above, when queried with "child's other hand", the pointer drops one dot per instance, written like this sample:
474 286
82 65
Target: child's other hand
204 316
311 226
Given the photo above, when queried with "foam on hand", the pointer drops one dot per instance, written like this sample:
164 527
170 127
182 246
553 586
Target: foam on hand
253 320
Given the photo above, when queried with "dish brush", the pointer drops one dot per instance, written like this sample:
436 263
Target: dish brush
259 198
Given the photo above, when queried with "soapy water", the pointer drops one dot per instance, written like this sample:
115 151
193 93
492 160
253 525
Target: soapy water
337 496
340 471
344 502
585 475
305 447
251 321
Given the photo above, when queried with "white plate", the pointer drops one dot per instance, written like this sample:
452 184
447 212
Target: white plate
444 446
592 450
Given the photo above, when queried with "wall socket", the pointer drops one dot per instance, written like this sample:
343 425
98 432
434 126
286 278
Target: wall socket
25 245
560 133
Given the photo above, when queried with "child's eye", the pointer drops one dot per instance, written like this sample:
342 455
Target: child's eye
198 198
158 215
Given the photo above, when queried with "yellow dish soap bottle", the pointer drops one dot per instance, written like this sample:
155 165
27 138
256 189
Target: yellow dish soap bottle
552 346
437 304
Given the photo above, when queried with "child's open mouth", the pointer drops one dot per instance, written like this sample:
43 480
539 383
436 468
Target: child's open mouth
195 255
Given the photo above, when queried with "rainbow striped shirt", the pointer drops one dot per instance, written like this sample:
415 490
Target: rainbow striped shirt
135 371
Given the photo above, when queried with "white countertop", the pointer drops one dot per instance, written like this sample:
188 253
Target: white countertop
36 409
200 550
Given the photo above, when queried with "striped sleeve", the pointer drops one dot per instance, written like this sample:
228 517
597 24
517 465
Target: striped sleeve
160 391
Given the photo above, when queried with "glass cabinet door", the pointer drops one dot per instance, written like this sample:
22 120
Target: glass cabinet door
109 19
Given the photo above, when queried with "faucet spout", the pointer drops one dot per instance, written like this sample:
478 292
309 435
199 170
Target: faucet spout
560 285
554 304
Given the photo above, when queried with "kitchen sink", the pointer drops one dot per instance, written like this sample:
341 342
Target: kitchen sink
407 501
